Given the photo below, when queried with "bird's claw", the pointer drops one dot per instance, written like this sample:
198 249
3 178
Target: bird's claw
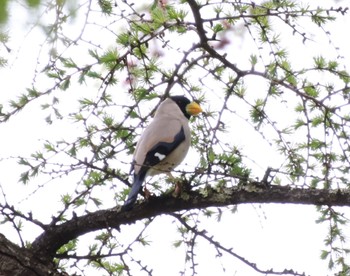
147 193
178 189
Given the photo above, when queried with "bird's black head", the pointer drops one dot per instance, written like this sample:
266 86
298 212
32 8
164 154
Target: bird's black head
182 102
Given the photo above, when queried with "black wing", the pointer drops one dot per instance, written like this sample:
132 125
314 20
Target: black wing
161 150
156 154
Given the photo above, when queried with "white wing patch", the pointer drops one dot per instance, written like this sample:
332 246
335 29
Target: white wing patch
160 156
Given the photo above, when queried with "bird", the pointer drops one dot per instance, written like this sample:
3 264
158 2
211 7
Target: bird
164 143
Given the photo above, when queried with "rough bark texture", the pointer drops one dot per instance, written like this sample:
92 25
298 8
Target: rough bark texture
38 259
17 261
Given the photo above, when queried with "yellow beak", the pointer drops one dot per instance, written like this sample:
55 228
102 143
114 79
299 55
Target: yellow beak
193 109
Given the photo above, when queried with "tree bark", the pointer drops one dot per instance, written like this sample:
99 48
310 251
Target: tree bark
58 235
37 260
17 261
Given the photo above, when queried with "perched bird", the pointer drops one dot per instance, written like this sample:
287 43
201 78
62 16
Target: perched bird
164 143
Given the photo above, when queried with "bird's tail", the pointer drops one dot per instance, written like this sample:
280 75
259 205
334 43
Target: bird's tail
135 189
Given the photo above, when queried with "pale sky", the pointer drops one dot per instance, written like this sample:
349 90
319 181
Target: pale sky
273 236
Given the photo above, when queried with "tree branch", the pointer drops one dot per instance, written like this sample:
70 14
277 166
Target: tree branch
57 235
15 260
211 240
204 39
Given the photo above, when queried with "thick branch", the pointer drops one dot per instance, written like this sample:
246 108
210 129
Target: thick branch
15 260
56 236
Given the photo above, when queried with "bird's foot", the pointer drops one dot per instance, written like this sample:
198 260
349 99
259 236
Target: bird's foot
178 189
147 193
